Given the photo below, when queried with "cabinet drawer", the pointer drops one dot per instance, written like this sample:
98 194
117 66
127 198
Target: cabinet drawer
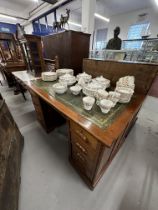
86 166
85 149
84 136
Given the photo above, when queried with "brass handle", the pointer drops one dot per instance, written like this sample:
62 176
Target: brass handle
82 136
81 148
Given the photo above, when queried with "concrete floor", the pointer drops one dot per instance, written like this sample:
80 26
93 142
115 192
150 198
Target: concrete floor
50 183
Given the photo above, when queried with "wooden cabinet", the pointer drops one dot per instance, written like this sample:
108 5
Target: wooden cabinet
11 142
70 47
11 55
31 47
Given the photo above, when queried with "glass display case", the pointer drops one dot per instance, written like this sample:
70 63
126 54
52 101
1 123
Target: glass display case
108 54
147 53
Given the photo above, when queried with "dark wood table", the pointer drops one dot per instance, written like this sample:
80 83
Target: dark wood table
91 148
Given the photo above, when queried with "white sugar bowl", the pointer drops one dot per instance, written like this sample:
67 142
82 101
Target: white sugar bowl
125 94
91 89
49 76
59 88
114 97
75 89
101 94
87 78
103 81
61 72
105 105
67 78
88 102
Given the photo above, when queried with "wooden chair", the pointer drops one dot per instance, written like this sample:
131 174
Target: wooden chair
50 65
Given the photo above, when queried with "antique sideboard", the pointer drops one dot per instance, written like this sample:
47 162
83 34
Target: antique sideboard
70 47
94 138
11 143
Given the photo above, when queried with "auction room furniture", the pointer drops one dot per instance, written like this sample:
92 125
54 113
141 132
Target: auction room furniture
11 143
70 47
95 138
32 49
10 54
31 46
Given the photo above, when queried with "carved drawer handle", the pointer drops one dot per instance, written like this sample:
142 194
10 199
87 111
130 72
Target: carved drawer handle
80 157
82 136
81 148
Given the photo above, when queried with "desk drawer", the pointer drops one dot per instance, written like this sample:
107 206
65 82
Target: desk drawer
86 166
84 137
85 149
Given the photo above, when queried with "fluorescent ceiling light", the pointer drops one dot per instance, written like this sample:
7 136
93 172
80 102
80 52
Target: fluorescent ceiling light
103 18
75 24
156 1
7 16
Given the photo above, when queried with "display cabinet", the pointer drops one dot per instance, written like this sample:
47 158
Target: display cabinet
11 56
9 49
147 51
31 46
149 44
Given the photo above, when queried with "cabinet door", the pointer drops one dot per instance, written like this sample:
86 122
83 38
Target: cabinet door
12 176
11 142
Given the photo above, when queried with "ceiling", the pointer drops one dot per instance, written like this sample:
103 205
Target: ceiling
113 7
104 7
18 5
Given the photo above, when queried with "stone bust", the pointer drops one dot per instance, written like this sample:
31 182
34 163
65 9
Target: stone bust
115 43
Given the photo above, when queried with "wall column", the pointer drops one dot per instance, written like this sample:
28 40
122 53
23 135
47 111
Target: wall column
88 10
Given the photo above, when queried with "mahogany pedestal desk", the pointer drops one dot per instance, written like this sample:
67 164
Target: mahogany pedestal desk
92 148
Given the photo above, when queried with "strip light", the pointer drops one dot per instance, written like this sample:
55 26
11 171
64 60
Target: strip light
75 24
7 16
156 1
104 18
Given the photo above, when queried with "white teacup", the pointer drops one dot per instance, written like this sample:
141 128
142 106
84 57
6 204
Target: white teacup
75 89
105 105
88 102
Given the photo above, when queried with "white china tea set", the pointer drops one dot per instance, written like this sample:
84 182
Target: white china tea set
94 89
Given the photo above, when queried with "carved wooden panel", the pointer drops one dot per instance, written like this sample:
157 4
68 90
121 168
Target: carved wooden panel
11 142
144 73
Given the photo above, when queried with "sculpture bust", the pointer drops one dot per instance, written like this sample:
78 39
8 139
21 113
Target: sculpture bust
115 43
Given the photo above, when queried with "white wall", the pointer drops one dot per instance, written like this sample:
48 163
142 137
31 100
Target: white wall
125 20
28 28
74 17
